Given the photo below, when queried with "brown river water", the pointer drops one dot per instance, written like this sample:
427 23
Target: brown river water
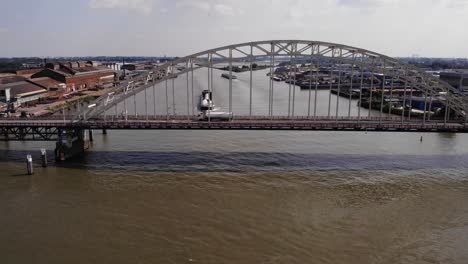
239 197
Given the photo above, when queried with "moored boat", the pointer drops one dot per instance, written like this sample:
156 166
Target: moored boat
227 76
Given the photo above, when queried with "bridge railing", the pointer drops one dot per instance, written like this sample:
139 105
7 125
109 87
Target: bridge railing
110 118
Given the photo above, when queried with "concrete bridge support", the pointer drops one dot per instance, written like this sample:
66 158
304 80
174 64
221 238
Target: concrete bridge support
91 138
71 143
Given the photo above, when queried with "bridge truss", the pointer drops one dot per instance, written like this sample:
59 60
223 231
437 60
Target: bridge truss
28 132
315 54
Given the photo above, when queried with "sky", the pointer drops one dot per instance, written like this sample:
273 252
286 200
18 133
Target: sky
430 28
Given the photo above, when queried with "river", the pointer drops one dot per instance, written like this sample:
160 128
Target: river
239 196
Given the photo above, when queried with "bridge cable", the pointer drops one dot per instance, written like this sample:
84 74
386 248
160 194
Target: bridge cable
230 80
384 79
270 82
447 109
371 87
167 102
404 96
250 81
146 105
392 85
338 89
294 83
411 104
193 94
289 82
125 109
188 92
134 103
360 89
154 97
425 106
212 82
316 82
173 94
310 80
430 108
331 83
116 110
351 85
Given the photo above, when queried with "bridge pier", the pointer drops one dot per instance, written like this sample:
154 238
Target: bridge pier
91 138
71 143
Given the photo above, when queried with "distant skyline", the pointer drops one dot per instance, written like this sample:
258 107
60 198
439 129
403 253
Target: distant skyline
428 28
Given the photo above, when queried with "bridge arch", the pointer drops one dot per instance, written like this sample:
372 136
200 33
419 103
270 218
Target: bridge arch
271 51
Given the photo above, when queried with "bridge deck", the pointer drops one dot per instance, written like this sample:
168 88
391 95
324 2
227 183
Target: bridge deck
328 124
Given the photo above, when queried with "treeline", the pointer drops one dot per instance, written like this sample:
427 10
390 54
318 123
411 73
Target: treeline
438 64
10 65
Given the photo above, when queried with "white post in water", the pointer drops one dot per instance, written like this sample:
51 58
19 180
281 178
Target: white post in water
29 165
44 158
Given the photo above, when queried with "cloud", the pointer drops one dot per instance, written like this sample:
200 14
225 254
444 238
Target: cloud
360 3
201 5
378 3
141 6
392 27
220 8
457 3
227 10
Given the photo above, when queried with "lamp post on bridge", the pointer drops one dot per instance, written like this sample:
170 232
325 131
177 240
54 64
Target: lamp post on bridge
89 107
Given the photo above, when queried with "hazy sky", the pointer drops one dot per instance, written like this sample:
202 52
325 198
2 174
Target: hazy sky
435 28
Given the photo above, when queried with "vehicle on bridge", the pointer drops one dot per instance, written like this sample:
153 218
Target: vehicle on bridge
215 116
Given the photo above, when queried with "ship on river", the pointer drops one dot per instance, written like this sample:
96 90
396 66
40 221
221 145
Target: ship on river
229 76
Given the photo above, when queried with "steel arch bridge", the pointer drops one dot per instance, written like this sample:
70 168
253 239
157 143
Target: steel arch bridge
315 55
384 90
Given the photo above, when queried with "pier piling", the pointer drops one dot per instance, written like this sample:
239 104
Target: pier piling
44 158
29 165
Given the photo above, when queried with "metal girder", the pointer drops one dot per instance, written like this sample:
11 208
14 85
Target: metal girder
282 48
307 47
220 55
237 49
29 133
260 48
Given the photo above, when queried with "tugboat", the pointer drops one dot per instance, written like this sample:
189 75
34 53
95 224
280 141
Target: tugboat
227 76
206 101
276 78
208 112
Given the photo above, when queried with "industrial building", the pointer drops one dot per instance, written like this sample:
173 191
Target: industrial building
21 92
77 75
136 67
